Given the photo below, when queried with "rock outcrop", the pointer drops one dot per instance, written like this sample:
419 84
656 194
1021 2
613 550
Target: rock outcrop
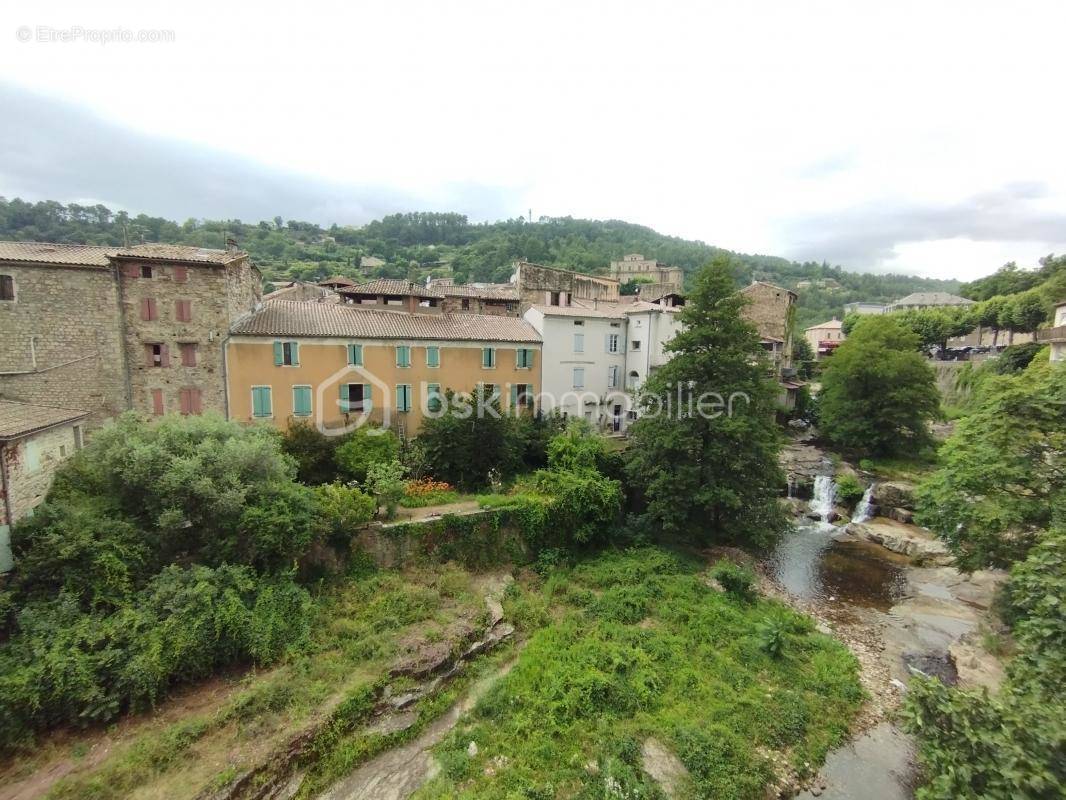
907 540
894 494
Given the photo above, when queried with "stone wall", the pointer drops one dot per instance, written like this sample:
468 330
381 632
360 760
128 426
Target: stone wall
536 283
62 340
217 296
30 464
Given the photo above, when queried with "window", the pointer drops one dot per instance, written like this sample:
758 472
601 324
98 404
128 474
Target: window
355 355
79 437
632 380
612 342
579 343
149 311
466 304
403 355
579 377
262 405
146 271
522 395
33 455
355 397
7 287
62 451
553 299
488 357
524 358
403 397
612 377
188 353
286 354
190 403
183 310
301 401
157 402
432 356
634 345
181 274
434 399
157 355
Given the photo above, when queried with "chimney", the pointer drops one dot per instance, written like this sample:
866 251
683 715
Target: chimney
231 244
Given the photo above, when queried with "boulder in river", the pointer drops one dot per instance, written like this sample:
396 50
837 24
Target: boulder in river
907 540
894 494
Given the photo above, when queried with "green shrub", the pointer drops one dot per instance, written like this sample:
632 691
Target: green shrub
313 452
365 447
849 490
341 510
773 636
735 579
384 480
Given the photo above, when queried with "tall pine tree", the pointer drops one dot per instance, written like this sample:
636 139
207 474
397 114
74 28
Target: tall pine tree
706 475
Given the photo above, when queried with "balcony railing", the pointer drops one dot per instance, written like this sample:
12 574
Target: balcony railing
1057 334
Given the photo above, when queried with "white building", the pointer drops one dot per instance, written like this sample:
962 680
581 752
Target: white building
597 355
865 308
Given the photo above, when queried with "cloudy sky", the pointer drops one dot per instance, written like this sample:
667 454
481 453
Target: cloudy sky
920 137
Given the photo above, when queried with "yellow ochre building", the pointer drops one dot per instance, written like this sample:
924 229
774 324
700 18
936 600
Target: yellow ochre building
333 364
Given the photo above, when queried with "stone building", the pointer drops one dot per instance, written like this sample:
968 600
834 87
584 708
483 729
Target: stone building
1055 336
825 338
34 440
661 278
498 299
771 309
394 295
540 285
107 329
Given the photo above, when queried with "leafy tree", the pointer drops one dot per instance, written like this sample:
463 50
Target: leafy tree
341 511
711 471
463 444
878 393
365 447
1003 470
384 480
313 451
803 357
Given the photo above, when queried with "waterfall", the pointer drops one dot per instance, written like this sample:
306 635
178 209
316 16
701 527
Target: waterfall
825 491
791 486
865 507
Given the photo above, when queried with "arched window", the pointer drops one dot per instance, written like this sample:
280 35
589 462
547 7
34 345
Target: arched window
632 379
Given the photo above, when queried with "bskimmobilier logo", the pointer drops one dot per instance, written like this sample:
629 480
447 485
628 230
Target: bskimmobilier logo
354 417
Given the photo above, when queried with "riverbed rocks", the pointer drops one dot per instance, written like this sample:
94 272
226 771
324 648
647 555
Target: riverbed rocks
908 540
802 463
894 494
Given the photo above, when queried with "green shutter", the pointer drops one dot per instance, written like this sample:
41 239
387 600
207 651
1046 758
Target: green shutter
355 355
367 402
514 397
486 357
301 401
261 401
279 357
345 399
433 356
433 402
295 353
532 393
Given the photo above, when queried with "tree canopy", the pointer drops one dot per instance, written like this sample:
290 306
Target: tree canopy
709 469
878 392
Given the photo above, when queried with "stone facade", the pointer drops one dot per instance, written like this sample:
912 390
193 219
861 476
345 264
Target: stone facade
193 307
80 334
62 339
662 278
770 310
539 285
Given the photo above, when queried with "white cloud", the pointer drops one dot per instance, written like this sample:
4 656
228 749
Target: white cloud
733 123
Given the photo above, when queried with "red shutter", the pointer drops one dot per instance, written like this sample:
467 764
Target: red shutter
183 310
153 312
165 357
185 401
157 402
132 271
195 402
146 309
181 274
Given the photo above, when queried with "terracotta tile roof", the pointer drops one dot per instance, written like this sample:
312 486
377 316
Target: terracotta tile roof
85 255
179 252
394 287
337 280
600 311
21 419
494 292
753 284
290 318
79 255
641 305
833 324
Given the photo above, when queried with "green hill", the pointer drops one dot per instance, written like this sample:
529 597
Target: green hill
416 244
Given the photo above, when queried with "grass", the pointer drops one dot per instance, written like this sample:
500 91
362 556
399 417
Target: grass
900 469
357 629
632 645
434 499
